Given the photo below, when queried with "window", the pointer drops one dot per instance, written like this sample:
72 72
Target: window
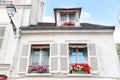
72 17
69 18
78 58
2 30
63 17
40 57
78 53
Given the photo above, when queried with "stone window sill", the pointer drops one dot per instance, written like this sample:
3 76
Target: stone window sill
38 74
83 75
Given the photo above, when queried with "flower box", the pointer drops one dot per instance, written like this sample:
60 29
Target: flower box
82 68
38 69
68 24
80 72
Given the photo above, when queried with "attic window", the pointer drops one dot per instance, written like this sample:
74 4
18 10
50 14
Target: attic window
67 18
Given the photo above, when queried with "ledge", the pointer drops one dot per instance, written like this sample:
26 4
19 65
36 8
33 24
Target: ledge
83 75
38 74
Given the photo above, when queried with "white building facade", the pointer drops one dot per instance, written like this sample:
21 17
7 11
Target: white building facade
56 47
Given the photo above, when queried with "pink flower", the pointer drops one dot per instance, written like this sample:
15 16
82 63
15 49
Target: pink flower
39 68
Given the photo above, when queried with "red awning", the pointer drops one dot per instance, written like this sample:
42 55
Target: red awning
67 11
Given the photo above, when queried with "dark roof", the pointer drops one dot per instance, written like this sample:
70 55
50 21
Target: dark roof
78 8
51 26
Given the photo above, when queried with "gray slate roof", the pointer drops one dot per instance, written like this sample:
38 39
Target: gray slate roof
51 26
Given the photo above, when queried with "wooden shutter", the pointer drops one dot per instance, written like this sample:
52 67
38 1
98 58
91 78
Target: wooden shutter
93 58
54 58
23 58
64 58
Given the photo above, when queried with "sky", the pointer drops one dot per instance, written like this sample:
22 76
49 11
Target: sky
103 12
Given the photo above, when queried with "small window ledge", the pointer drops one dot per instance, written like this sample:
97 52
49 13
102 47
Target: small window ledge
83 75
38 74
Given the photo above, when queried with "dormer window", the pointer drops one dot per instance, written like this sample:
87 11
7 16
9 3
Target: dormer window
63 17
67 17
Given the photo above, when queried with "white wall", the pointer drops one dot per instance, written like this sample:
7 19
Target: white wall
107 56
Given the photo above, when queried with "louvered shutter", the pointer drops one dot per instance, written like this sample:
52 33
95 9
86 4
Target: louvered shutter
93 58
64 58
23 58
54 58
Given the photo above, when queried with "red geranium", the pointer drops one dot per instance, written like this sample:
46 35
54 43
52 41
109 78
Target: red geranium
85 67
68 24
80 67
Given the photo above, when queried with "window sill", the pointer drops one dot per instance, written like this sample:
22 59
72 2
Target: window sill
38 74
83 75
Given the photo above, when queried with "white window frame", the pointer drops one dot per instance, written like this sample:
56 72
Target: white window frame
40 57
67 17
29 54
77 61
88 60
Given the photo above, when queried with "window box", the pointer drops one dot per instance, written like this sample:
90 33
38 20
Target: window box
82 68
68 24
79 72
38 69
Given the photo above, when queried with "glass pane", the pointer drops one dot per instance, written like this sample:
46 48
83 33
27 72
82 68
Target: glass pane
72 17
1 39
63 17
72 56
45 56
81 57
2 30
35 56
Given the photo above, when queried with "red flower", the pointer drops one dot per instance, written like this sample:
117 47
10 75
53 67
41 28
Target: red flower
85 67
68 24
75 65
81 66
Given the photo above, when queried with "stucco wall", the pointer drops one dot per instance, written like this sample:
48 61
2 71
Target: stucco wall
106 51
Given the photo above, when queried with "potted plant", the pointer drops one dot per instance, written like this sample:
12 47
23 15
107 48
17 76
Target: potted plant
78 67
68 24
38 68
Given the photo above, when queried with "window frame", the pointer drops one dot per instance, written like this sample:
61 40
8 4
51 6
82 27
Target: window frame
2 37
41 54
77 61
67 17
88 60
29 61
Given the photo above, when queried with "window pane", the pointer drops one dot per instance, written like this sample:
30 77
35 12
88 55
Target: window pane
81 55
63 17
72 55
82 58
45 56
72 17
2 30
1 39
35 55
78 54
